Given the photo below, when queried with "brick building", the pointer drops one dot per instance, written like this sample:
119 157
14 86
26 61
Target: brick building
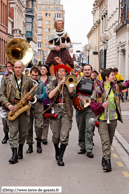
3 30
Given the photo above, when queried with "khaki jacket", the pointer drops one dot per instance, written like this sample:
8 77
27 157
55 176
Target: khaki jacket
67 96
8 89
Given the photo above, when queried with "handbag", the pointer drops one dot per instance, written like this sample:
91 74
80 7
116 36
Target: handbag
86 85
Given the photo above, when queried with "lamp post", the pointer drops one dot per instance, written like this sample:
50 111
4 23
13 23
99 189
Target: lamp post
104 38
88 48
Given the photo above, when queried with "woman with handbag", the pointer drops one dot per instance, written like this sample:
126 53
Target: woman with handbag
106 106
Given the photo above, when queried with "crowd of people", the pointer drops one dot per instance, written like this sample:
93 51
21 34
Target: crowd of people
46 98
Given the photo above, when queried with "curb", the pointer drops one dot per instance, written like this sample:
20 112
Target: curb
122 141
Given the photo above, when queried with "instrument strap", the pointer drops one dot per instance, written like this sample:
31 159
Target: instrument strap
108 94
18 85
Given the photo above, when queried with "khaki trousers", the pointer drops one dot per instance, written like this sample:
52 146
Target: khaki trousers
5 125
61 126
106 132
85 139
38 126
18 130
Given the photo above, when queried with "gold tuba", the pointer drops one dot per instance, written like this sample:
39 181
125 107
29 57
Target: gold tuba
19 49
19 107
71 81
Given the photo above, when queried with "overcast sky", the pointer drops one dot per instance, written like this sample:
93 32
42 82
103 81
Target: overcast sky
78 19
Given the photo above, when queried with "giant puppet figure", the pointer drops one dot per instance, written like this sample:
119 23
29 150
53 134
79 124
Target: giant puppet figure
58 43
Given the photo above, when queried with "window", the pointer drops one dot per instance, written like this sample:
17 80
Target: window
46 14
46 8
49 37
54 2
49 22
46 30
46 37
39 52
39 15
49 29
49 14
57 15
39 1
46 22
39 30
39 38
40 23
39 8
57 8
39 45
45 53
45 44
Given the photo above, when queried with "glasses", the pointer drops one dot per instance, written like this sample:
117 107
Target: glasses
59 24
61 71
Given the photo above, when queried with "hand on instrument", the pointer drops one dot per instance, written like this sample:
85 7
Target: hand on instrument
61 82
105 104
11 108
29 98
62 45
56 48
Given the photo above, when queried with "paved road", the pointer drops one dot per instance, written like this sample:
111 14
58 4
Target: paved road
81 175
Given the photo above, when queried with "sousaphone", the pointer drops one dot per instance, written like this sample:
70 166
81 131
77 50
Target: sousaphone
19 49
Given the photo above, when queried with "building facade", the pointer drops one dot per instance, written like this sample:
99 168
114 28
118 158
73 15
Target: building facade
32 25
3 30
48 10
17 14
122 39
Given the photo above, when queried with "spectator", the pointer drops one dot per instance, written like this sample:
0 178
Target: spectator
100 77
119 79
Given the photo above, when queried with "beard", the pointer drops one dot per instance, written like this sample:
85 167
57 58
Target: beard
87 75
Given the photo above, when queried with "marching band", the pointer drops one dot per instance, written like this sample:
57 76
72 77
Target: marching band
51 99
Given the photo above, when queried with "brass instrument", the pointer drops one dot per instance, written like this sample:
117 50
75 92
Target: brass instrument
106 114
71 81
19 49
19 107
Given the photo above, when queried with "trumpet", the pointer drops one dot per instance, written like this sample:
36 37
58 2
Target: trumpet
106 113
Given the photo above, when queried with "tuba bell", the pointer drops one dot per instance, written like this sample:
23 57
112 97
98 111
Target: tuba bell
19 49
71 81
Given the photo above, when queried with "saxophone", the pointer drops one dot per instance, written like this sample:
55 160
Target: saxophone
19 106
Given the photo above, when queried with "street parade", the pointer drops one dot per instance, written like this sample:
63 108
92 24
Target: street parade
64 116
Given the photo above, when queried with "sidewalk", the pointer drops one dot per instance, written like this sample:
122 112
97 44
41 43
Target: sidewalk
122 130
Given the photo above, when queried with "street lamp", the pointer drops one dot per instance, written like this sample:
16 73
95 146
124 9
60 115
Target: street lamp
88 48
104 38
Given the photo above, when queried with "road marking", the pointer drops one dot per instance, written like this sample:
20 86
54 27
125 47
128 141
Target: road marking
115 155
112 148
126 174
120 164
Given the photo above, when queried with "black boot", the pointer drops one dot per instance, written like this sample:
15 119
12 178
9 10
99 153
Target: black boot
6 138
30 149
20 151
57 151
103 162
39 148
107 166
62 150
14 158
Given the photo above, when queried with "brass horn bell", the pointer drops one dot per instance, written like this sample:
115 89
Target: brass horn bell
71 81
19 49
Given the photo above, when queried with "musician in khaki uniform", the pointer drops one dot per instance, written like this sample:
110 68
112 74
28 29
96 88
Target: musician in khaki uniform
12 91
61 102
